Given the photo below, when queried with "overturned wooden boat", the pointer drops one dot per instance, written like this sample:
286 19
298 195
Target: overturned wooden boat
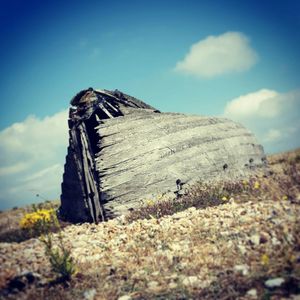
123 151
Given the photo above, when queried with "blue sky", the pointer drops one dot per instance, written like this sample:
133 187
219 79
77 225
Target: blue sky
167 53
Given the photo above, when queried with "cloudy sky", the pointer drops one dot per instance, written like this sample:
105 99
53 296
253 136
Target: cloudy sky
238 59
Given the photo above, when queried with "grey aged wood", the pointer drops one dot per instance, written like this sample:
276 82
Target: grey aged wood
123 151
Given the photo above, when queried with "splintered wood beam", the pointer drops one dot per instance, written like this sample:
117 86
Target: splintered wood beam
93 198
106 93
105 111
93 178
112 107
77 158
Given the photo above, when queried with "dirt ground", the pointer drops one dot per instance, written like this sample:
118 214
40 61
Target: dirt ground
245 246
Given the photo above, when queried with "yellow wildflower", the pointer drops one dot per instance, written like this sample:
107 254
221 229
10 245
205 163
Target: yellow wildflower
292 258
256 185
150 202
285 197
33 219
265 259
245 182
224 198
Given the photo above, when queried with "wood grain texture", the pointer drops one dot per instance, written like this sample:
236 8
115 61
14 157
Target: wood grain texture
143 154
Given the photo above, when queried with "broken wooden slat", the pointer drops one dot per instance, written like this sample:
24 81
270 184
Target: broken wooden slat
105 111
89 177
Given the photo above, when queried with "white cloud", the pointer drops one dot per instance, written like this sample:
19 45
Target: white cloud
15 168
272 116
32 154
45 182
263 103
43 173
217 55
273 135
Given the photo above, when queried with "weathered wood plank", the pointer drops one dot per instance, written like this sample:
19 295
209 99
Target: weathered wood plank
89 177
143 155
112 107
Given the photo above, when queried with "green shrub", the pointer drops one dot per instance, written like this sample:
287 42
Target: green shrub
43 222
59 257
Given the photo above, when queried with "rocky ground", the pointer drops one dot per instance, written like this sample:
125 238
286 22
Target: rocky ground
234 250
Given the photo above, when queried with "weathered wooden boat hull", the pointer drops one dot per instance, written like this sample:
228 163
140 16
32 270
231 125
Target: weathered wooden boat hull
117 159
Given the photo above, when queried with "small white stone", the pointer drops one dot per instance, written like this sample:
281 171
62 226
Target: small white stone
191 281
242 249
172 285
154 286
252 293
121 220
175 247
125 297
96 257
95 243
89 294
192 208
275 282
289 238
254 239
80 244
275 242
244 269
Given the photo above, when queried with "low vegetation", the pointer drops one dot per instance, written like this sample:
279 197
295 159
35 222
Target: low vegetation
42 223
59 257
19 224
278 183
